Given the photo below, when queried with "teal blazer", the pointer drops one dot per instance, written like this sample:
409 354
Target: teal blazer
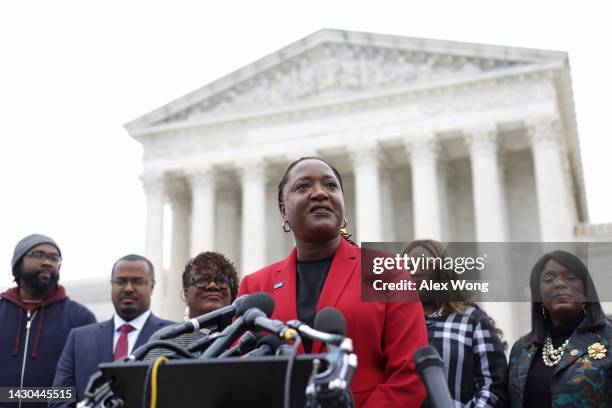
583 377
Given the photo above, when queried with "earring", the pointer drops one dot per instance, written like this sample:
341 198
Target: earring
584 308
544 312
344 232
344 226
286 226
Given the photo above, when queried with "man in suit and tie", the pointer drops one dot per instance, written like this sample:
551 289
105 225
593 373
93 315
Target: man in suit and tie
132 281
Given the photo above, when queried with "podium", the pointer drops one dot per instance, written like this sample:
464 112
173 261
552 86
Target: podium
215 383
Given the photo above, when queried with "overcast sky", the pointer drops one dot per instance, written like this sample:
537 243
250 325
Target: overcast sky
73 72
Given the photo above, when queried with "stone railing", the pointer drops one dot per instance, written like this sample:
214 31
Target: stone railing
594 231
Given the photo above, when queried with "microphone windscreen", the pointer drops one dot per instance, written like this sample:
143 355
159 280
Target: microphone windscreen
330 320
427 357
249 340
261 300
273 341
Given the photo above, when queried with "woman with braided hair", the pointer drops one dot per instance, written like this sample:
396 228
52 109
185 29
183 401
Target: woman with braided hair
324 269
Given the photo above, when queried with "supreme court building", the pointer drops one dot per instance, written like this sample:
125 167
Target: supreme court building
434 139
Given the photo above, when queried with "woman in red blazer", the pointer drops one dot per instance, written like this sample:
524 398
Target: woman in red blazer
324 270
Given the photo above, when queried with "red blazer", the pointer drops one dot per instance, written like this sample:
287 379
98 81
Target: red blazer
385 335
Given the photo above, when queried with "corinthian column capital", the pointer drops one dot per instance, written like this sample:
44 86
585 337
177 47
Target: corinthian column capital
422 148
482 139
178 192
365 153
251 170
153 184
544 130
202 178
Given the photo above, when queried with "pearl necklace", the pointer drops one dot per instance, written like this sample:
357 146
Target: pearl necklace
551 355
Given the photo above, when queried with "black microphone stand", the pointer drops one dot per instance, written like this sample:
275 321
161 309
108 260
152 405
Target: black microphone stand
99 394
331 388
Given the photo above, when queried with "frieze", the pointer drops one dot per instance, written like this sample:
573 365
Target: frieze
412 107
336 70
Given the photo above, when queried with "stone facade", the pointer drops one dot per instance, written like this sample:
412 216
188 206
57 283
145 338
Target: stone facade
434 139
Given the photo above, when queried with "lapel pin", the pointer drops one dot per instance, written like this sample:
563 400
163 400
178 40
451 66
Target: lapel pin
278 285
574 352
597 351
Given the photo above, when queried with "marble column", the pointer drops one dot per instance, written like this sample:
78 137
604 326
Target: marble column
387 210
203 185
487 185
367 192
490 216
153 185
423 151
253 177
557 220
443 171
227 233
179 255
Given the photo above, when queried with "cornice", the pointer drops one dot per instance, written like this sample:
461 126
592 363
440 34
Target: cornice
353 39
373 99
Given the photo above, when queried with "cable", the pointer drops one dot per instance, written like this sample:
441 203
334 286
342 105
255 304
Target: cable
147 379
156 365
286 394
145 386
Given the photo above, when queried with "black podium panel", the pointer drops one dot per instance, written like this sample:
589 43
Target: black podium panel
214 383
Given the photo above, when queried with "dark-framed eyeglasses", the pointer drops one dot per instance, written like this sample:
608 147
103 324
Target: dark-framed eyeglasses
41 256
136 282
202 281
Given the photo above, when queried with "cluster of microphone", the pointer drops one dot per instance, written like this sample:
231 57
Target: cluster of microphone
243 338
252 316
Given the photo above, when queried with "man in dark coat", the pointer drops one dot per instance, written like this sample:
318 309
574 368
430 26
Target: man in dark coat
36 316
132 281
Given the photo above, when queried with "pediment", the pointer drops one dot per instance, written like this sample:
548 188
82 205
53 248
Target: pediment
335 64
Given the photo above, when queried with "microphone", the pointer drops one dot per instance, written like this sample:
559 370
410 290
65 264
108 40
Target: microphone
201 344
330 327
257 319
332 384
330 320
247 342
266 346
429 365
240 305
285 350
260 302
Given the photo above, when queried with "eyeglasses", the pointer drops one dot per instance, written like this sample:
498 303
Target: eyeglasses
204 280
41 256
136 282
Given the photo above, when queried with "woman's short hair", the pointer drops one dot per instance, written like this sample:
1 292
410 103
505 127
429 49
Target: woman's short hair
285 178
215 263
594 315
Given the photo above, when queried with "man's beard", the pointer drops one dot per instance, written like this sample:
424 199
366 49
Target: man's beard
129 313
33 279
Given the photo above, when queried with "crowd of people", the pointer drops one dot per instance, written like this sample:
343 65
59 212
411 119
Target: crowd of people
49 340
